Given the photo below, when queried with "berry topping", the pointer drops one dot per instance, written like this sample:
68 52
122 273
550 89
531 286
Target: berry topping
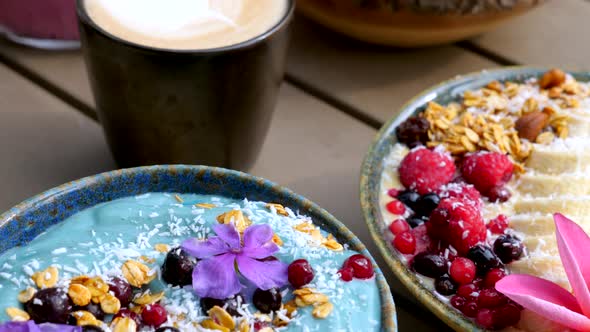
346 274
463 191
393 192
426 204
93 308
425 171
167 329
230 305
486 170
498 225
413 131
415 221
267 300
468 291
130 314
361 266
485 318
405 243
493 276
444 285
178 268
429 265
91 328
491 298
499 194
508 248
398 226
300 273
462 270
458 301
259 325
50 305
154 315
470 309
121 290
507 315
457 222
396 207
484 259
409 198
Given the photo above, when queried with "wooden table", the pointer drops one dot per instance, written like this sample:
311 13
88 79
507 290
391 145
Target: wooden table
336 94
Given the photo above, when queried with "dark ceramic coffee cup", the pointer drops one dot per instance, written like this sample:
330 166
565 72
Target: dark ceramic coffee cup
162 106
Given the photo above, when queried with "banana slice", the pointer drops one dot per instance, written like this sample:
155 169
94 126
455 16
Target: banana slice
565 156
540 185
544 266
568 205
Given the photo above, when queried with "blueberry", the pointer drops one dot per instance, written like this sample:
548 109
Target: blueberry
121 290
415 221
429 265
267 300
178 267
426 204
508 248
498 194
444 285
167 329
409 198
484 259
413 131
91 328
50 305
93 308
233 303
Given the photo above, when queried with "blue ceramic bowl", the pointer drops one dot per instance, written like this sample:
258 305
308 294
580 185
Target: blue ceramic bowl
25 221
372 170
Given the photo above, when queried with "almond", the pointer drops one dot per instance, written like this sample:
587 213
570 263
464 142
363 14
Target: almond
552 78
530 125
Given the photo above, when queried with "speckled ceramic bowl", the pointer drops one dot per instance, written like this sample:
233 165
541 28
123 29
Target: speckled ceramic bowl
372 170
412 23
25 221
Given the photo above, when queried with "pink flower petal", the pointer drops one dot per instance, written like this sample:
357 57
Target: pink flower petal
573 244
264 274
216 277
229 234
202 249
545 298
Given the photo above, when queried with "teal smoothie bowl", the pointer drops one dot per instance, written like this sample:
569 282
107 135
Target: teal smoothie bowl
374 168
129 200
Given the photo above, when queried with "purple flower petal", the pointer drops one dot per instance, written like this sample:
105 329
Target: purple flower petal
229 234
30 326
257 235
216 277
264 274
202 249
265 250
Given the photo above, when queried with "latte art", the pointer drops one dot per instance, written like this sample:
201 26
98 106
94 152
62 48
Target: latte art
186 24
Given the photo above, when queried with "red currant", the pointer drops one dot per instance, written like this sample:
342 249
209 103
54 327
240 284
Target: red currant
462 270
361 266
346 274
154 315
493 276
470 309
405 243
485 318
399 226
507 315
498 225
300 273
396 207
393 192
468 291
458 301
491 298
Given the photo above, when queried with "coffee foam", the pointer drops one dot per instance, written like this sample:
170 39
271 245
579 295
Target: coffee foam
186 24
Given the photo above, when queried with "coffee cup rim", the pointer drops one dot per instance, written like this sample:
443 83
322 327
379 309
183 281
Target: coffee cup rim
83 17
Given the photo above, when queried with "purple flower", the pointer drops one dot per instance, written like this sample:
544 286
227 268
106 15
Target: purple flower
224 255
30 326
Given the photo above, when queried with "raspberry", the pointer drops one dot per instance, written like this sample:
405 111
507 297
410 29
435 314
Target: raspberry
462 270
486 170
405 243
425 171
398 226
457 222
462 191
498 225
